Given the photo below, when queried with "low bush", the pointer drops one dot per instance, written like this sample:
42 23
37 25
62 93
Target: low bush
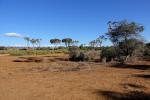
147 49
3 48
109 53
76 54
21 52
17 52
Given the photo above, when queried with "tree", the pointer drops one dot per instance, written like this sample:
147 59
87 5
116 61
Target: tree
67 41
75 42
133 44
122 32
92 43
55 42
28 40
33 41
100 40
38 42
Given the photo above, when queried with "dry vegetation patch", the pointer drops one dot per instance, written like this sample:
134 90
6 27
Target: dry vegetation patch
60 66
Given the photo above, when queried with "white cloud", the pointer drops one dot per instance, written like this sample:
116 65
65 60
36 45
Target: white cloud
13 35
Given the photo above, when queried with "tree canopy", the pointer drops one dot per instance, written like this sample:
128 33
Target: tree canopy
125 36
67 41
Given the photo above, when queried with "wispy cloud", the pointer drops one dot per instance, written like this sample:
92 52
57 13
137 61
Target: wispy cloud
17 35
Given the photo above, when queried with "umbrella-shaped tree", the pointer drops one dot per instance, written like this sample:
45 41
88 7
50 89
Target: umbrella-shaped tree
27 39
55 42
67 41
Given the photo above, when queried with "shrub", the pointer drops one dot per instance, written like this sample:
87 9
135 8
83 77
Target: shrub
109 53
17 52
75 54
3 48
3 52
93 54
83 56
147 50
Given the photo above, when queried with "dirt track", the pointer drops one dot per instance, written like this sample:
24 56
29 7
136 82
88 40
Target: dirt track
52 79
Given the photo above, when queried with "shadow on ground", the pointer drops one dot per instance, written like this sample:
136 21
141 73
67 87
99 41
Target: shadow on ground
146 76
136 86
28 59
59 59
140 67
132 95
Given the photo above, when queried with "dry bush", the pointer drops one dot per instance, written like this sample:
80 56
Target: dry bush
93 54
75 54
60 66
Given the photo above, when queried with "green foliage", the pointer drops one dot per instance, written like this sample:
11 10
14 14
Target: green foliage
27 39
74 53
147 49
55 41
133 44
83 57
74 42
92 43
109 53
100 40
42 51
125 37
3 48
123 30
67 41
17 52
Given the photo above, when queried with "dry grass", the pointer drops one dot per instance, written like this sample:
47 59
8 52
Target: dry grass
53 77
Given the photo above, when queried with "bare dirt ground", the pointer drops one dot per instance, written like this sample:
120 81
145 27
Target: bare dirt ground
55 78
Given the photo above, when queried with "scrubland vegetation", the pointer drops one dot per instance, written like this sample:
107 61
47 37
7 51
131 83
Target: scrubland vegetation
77 71
125 36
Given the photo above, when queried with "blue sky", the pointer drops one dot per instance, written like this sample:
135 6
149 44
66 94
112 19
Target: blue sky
83 20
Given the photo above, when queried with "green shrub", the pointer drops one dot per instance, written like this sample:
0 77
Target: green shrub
3 48
17 52
147 50
83 56
109 53
3 52
74 53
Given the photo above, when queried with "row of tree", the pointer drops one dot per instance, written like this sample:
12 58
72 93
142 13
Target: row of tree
36 42
33 41
98 42
67 41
